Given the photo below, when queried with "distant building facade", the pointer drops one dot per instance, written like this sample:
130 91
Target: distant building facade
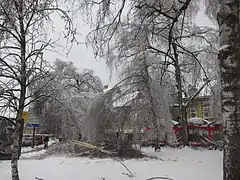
6 131
199 107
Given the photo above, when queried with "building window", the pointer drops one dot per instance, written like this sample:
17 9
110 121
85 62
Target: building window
193 112
206 112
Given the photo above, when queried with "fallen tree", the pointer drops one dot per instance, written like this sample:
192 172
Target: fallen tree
85 149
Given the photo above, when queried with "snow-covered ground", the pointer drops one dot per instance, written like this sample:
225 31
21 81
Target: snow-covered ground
28 152
36 148
177 164
32 154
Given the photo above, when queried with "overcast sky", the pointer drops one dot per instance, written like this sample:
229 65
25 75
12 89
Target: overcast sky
83 57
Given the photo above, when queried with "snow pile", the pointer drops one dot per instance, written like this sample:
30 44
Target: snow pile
33 154
26 150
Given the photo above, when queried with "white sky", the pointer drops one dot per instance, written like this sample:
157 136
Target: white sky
83 57
80 55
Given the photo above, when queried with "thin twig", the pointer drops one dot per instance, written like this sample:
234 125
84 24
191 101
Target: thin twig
38 178
122 163
159 177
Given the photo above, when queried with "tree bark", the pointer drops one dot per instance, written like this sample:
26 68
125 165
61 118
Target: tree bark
15 153
229 57
183 118
20 137
152 104
18 130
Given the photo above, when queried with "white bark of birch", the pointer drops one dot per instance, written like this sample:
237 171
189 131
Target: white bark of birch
23 81
229 57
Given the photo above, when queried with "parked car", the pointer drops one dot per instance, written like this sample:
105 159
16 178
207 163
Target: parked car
38 140
27 140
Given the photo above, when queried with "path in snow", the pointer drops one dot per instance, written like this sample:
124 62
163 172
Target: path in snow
178 164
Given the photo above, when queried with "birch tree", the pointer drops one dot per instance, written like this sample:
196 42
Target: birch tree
228 20
65 100
227 17
169 32
24 28
100 116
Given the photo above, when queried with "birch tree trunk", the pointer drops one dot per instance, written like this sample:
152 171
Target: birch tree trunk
14 159
229 57
23 80
152 104
183 117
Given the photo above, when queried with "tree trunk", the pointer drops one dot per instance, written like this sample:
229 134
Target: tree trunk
229 57
183 118
152 105
23 80
20 136
15 152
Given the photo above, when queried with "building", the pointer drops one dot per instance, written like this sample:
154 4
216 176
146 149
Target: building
199 107
6 131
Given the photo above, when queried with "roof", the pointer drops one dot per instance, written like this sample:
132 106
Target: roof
207 97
